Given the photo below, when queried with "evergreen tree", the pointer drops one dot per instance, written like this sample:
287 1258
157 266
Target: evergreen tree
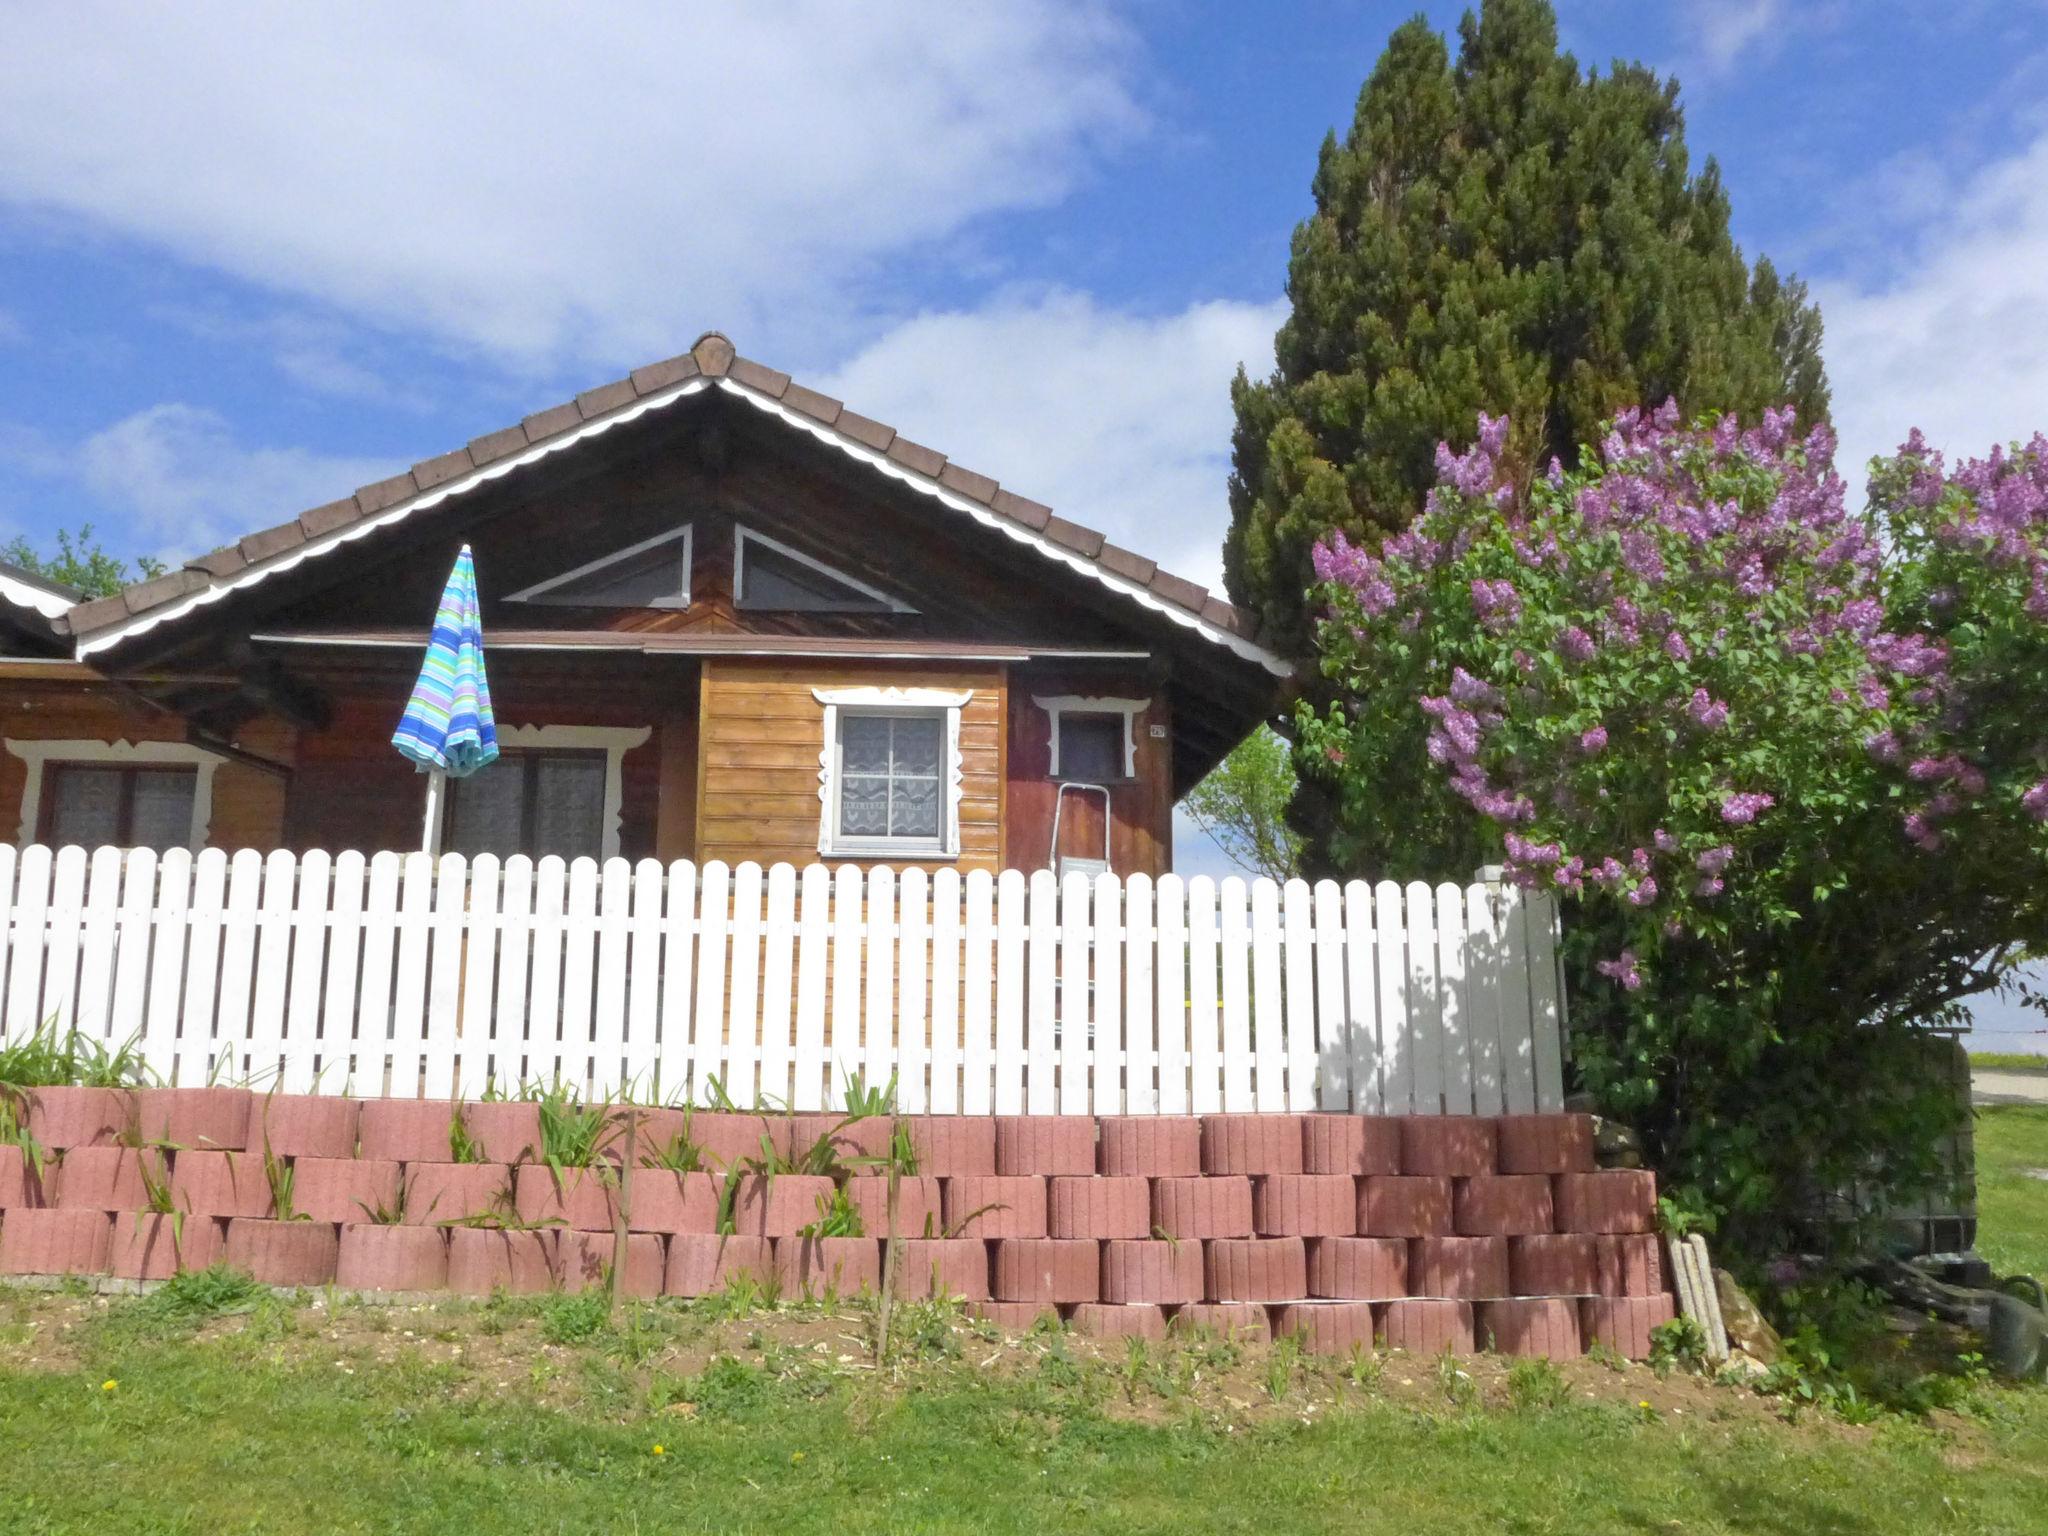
1506 234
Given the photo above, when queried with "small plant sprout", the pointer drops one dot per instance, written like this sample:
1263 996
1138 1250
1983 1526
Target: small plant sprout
157 1200
462 1146
14 1129
1365 1367
393 1214
280 1175
1454 1380
837 1217
1280 1367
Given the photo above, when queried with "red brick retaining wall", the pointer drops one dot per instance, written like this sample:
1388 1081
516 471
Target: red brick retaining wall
1421 1233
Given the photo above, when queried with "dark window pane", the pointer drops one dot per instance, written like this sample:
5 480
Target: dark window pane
770 579
1091 748
161 812
569 805
120 807
486 810
653 578
85 807
533 802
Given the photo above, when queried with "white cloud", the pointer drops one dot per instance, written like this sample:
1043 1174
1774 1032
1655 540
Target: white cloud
1726 29
186 482
1119 422
557 185
1953 338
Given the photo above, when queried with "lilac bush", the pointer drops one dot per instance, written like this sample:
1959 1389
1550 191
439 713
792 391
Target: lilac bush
1787 762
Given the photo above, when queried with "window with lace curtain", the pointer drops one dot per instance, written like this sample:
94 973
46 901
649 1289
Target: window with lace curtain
890 781
535 801
102 805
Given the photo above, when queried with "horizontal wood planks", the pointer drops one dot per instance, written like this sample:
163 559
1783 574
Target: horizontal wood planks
976 992
762 733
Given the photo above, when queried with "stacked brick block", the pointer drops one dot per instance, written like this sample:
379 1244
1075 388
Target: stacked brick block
1421 1233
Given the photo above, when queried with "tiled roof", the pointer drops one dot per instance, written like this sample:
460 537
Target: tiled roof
711 361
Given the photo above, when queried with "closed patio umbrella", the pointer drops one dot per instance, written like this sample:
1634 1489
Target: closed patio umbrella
447 729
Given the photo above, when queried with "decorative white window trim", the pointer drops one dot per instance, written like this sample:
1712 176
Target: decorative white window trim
1057 704
889 701
539 590
116 754
742 535
615 741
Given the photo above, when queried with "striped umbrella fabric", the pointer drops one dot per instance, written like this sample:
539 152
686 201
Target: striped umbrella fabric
447 727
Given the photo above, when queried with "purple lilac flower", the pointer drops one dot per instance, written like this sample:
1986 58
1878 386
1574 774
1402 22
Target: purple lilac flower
1676 648
1622 968
1664 841
1575 644
1708 712
1714 860
1740 810
1593 741
2035 801
1644 893
1709 888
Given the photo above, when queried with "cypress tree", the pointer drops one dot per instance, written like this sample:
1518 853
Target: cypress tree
1505 233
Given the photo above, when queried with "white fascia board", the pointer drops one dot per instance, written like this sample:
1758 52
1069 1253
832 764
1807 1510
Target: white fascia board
142 624
989 518
24 595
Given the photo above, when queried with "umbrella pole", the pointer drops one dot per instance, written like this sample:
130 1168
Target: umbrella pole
437 792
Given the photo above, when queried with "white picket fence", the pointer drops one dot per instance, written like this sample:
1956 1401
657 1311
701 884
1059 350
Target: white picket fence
978 994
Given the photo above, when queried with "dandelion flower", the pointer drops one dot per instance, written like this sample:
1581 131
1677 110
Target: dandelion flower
661 1450
109 1384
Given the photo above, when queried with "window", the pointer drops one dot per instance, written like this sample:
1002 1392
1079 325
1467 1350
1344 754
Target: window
1093 741
655 573
889 777
1091 748
155 794
890 784
535 802
97 805
769 575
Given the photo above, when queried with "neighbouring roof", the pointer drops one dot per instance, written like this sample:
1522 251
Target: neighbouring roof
711 363
27 589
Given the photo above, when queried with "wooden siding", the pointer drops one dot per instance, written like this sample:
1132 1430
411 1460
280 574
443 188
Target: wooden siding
1141 809
248 803
761 731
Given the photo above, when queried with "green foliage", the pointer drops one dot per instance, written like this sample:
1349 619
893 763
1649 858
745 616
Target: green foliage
194 1295
1680 1342
1243 805
577 1318
282 1176
837 1217
1506 233
1537 1384
48 1057
572 1134
80 563
462 1147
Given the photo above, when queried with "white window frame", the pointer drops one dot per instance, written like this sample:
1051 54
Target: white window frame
939 702
539 590
1059 704
742 534
615 741
115 754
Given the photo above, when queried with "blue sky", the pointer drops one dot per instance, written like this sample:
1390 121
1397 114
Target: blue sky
253 256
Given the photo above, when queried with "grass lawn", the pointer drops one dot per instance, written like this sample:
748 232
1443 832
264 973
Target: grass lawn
281 1415
2012 1204
2008 1061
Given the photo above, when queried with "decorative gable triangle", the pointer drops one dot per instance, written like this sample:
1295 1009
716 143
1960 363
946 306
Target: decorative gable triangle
769 575
655 573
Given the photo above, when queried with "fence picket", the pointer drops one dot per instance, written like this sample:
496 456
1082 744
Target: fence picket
913 1027
1269 1024
743 1027
101 933
878 1014
1389 943
478 1010
976 994
778 973
505 1067
31 930
202 971
1074 1024
977 979
814 939
1296 910
1483 978
344 946
67 923
376 1019
1108 1050
944 1097
1205 1040
1011 893
300 1042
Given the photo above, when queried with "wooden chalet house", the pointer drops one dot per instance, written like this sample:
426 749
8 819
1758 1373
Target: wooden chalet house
725 618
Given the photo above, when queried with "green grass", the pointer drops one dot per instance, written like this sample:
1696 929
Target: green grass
208 1436
2008 1061
2012 1208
